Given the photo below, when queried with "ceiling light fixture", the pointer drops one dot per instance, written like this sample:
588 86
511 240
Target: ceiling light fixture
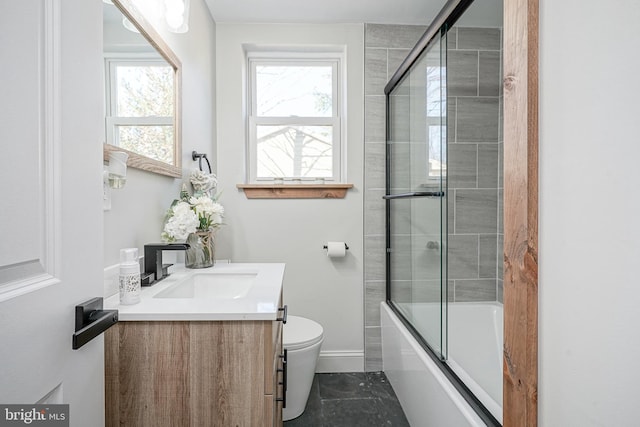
176 14
129 25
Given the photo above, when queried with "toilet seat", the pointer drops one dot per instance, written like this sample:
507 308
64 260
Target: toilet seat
300 332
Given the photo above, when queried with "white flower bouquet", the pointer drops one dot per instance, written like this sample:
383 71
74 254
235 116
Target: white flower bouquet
189 214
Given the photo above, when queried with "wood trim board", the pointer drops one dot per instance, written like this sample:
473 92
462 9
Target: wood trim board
295 191
520 362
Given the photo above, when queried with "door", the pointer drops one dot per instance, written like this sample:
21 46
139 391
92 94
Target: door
416 196
51 209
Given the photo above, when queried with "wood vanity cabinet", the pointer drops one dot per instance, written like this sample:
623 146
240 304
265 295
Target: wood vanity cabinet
194 373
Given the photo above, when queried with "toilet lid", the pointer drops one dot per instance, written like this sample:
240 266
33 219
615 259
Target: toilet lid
299 332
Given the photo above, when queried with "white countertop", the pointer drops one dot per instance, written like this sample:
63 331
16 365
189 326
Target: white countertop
259 303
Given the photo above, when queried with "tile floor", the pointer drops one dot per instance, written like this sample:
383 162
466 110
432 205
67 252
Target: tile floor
351 400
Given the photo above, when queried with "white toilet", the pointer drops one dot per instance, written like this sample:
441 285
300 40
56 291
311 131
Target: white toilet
302 339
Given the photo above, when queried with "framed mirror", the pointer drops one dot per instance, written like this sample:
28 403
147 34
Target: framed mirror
142 92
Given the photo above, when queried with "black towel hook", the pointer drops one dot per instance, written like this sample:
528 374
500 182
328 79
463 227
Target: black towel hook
195 155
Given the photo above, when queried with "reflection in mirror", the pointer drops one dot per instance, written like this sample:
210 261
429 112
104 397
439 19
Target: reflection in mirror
142 82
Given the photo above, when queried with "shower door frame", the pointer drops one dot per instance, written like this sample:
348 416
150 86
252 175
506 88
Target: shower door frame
449 14
521 145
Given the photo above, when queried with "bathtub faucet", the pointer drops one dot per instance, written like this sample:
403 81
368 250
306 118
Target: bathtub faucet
154 269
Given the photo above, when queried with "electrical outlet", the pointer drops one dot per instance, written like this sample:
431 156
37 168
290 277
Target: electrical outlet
106 190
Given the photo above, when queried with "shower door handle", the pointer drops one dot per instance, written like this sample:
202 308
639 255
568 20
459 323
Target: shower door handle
414 194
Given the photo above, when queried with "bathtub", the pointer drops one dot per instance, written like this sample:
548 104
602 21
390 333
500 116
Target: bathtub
427 397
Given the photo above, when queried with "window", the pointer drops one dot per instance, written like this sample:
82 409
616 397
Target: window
294 122
139 110
436 121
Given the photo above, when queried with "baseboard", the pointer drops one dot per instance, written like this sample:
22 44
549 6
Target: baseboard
340 361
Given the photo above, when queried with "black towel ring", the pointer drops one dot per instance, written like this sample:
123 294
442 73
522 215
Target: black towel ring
195 155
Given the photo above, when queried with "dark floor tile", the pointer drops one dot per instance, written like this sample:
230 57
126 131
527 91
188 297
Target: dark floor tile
314 392
343 385
312 415
394 417
380 387
351 412
305 420
351 400
390 410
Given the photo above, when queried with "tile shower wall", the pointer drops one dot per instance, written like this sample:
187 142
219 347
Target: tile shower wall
386 46
474 163
475 150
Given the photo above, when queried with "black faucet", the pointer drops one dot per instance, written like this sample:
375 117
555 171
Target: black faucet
154 269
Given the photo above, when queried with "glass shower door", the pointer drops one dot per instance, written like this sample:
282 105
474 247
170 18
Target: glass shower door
444 199
416 196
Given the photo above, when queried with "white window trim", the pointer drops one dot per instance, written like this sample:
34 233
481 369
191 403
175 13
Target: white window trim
112 121
333 57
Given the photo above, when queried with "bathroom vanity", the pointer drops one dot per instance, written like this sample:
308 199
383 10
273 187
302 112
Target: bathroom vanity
202 348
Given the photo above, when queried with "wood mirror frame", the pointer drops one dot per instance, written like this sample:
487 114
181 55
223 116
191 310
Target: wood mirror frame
140 161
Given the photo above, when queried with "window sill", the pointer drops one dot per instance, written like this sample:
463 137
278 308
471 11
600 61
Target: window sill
295 191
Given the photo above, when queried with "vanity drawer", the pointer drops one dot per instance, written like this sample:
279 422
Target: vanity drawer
273 348
280 386
274 378
273 401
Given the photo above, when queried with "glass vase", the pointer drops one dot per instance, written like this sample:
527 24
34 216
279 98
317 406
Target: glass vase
201 250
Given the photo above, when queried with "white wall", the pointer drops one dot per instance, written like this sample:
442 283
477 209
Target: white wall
293 231
138 210
589 228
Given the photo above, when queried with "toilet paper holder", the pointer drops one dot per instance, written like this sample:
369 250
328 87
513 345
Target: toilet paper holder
345 247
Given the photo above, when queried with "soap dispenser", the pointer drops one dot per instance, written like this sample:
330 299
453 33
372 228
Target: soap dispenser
129 276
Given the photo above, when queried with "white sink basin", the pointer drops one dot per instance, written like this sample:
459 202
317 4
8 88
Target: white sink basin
212 286
224 292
